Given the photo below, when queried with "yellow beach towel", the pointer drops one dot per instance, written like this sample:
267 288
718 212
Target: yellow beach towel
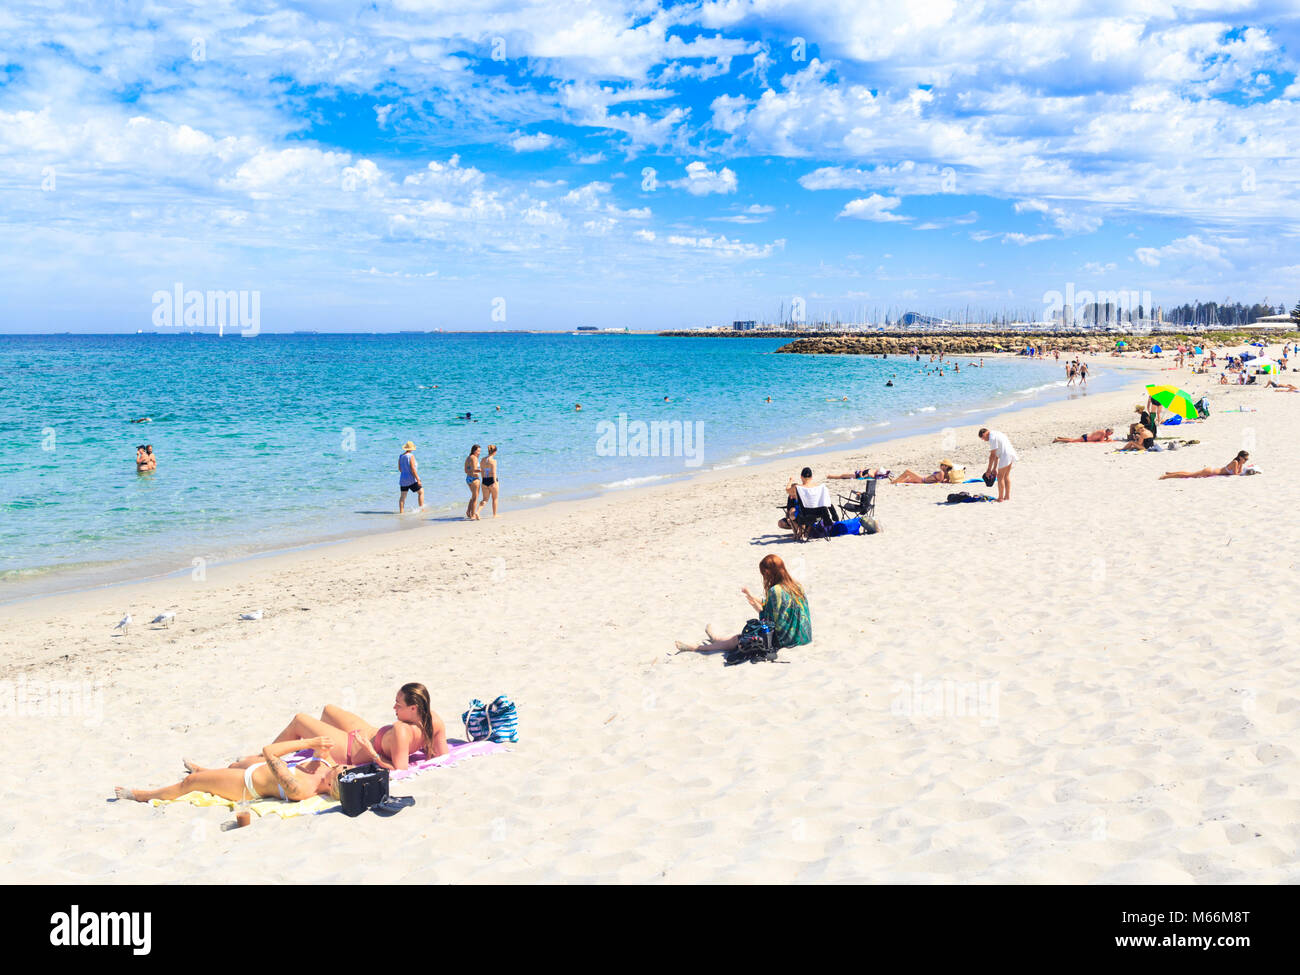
263 807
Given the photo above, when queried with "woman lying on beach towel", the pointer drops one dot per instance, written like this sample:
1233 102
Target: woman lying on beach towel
942 476
270 777
784 606
1233 467
356 741
1097 436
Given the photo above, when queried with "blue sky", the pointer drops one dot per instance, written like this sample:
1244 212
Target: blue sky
414 165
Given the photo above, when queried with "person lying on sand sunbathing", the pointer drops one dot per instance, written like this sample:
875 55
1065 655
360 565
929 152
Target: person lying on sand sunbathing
784 606
1234 467
861 475
1097 436
269 778
1283 387
355 741
942 476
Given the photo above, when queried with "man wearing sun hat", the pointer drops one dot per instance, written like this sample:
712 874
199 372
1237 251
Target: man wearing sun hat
408 476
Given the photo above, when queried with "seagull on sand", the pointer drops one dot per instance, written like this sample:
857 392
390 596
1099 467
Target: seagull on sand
254 615
124 624
165 617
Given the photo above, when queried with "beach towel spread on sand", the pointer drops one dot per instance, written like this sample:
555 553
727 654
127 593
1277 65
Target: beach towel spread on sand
320 804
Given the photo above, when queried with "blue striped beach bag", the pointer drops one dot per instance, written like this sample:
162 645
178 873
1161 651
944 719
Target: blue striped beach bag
498 721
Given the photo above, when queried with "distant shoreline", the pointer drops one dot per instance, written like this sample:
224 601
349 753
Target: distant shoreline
965 341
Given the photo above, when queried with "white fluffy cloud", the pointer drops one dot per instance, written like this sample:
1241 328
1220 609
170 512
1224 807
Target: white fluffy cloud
874 207
533 143
223 129
1190 249
701 181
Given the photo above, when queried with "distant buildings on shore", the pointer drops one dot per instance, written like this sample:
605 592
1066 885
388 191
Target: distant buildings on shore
1097 318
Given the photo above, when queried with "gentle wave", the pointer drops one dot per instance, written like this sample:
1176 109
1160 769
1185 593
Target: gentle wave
628 482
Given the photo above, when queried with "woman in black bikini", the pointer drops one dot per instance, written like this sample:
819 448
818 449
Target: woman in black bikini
490 485
472 480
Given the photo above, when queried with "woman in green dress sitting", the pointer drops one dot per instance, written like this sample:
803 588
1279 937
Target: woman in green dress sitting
784 606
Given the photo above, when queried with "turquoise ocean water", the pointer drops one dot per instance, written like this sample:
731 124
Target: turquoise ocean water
281 440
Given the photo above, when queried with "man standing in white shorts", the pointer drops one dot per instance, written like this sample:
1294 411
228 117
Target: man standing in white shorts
1001 456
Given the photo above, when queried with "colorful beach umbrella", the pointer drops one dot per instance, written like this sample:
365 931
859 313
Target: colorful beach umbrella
1175 400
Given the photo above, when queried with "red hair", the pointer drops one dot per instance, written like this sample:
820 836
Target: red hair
775 573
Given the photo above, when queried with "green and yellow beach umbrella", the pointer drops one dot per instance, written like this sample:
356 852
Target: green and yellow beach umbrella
1174 400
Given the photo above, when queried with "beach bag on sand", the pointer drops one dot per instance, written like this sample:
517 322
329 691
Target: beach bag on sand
498 721
363 787
965 497
870 526
475 721
989 479
757 643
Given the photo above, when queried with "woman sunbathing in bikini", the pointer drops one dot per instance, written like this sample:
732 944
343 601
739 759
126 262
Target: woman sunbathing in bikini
938 477
270 777
1235 466
864 474
1097 436
355 741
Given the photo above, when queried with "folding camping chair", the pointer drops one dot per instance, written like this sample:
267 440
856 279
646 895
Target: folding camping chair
813 507
861 503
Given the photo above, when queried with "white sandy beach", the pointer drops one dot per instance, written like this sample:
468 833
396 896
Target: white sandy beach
1129 643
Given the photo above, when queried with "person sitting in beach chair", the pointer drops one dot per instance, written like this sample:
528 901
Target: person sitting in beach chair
1097 436
807 504
1231 469
356 741
784 605
947 473
814 509
791 504
271 777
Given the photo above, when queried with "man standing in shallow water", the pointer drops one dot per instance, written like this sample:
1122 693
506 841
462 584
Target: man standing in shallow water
408 477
